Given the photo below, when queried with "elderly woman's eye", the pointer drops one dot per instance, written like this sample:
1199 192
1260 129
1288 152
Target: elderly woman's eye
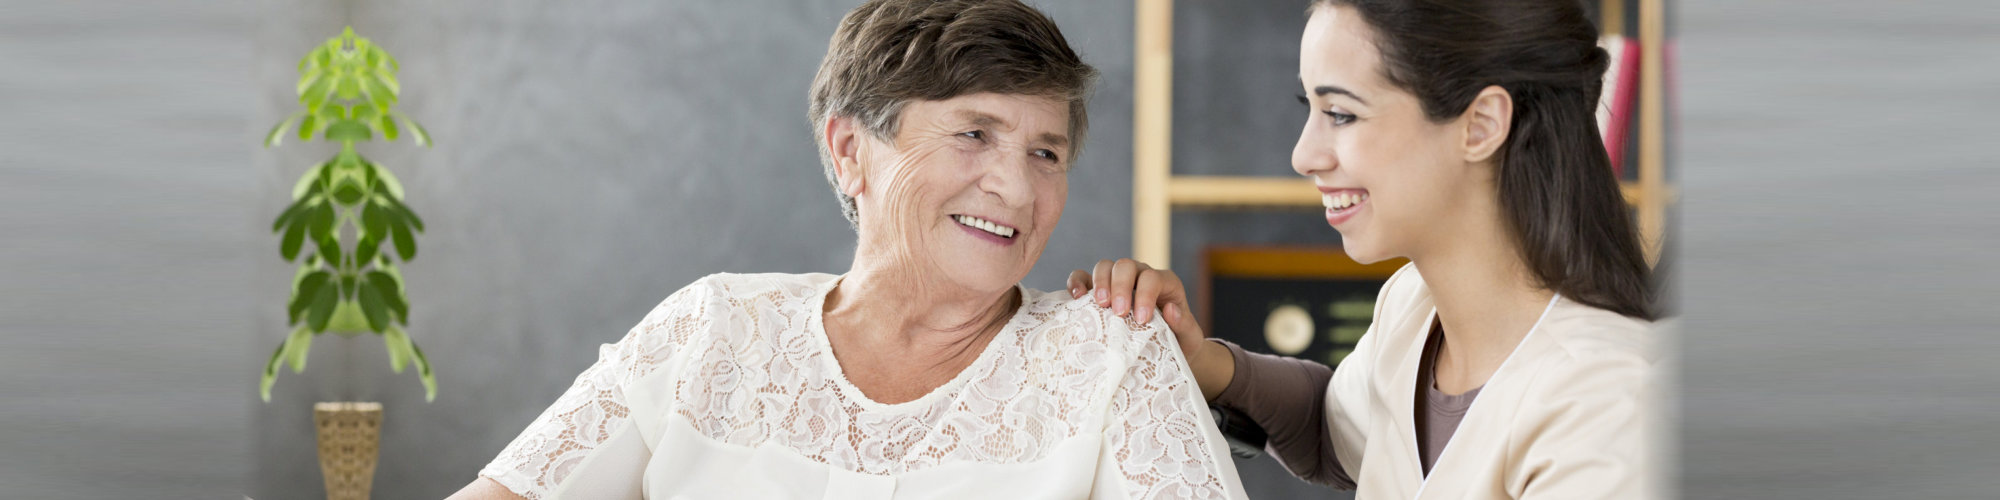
974 134
1047 155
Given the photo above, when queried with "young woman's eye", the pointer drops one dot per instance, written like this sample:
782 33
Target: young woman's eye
1339 118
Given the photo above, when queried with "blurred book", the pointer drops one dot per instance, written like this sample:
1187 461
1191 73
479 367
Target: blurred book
1621 85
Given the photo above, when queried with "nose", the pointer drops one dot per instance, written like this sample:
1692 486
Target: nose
1313 154
1007 179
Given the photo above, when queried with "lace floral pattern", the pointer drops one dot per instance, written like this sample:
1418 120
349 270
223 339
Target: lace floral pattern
754 369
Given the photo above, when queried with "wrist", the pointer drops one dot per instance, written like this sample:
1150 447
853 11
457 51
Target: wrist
1214 368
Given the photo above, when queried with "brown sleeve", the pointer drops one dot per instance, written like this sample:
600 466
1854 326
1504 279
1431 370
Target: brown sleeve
1287 397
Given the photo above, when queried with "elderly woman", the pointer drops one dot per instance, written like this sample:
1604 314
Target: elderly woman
947 129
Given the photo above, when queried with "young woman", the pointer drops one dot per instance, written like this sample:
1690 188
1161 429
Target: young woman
1511 358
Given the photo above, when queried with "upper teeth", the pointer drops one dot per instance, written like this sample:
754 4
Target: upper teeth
1342 200
985 225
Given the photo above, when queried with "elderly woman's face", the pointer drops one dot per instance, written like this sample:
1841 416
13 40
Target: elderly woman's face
971 187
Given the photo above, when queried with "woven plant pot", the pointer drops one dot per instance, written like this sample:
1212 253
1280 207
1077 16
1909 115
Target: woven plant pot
348 435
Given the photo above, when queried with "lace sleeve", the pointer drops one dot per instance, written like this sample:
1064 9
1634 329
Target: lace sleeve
587 417
1158 431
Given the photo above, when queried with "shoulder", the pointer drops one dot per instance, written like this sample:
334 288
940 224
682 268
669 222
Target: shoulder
1060 325
743 286
732 288
1590 360
707 304
1583 336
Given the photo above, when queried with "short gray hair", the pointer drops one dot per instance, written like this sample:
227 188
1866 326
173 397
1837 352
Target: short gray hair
888 52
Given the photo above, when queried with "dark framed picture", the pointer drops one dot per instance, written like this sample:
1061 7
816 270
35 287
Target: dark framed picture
1310 302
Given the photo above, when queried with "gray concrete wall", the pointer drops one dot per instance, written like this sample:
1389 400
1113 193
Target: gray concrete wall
1839 285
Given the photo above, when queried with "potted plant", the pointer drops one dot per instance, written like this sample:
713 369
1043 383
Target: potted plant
347 208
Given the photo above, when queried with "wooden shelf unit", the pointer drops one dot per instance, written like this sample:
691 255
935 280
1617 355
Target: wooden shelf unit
1156 191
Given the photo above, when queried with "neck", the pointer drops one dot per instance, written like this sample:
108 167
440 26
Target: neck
1486 299
891 309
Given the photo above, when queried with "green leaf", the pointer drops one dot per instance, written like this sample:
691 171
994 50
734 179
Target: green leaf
288 246
372 306
393 66
307 181
304 295
391 290
347 130
378 92
308 126
314 96
398 344
424 369
365 250
296 347
416 131
277 132
348 320
387 126
348 284
374 219
322 220
291 210
409 215
271 372
347 86
329 249
349 189
387 180
406 245
308 77
321 308
387 79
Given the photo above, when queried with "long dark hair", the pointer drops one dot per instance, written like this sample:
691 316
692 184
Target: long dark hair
1556 186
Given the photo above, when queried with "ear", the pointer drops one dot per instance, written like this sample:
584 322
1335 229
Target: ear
1487 122
843 144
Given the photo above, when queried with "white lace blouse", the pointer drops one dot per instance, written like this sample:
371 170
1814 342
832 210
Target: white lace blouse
729 389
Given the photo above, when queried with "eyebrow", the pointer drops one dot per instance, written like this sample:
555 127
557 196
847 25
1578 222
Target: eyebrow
1330 89
986 120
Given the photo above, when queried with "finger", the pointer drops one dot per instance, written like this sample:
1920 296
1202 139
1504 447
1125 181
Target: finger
1172 290
1186 330
1145 296
1101 277
1079 281
1124 276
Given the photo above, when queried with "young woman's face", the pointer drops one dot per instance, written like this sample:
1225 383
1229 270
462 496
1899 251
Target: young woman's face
971 188
1391 178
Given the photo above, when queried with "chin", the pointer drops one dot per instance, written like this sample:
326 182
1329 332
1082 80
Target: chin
989 279
1362 250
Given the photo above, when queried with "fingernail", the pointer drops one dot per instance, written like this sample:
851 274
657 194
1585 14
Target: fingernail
1122 307
1145 315
1100 296
1075 292
1171 312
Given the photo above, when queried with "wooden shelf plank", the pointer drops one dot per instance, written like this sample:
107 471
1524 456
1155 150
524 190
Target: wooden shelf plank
1199 191
1193 191
1152 132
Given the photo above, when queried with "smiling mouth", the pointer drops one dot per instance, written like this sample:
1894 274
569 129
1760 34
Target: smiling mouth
1343 200
984 225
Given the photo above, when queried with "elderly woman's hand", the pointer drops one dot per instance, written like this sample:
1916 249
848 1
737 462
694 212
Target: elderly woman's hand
1130 287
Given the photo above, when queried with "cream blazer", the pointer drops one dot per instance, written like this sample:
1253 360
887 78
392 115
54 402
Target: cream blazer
1571 414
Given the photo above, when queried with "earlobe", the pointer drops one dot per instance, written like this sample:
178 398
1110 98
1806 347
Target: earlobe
851 180
1488 122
